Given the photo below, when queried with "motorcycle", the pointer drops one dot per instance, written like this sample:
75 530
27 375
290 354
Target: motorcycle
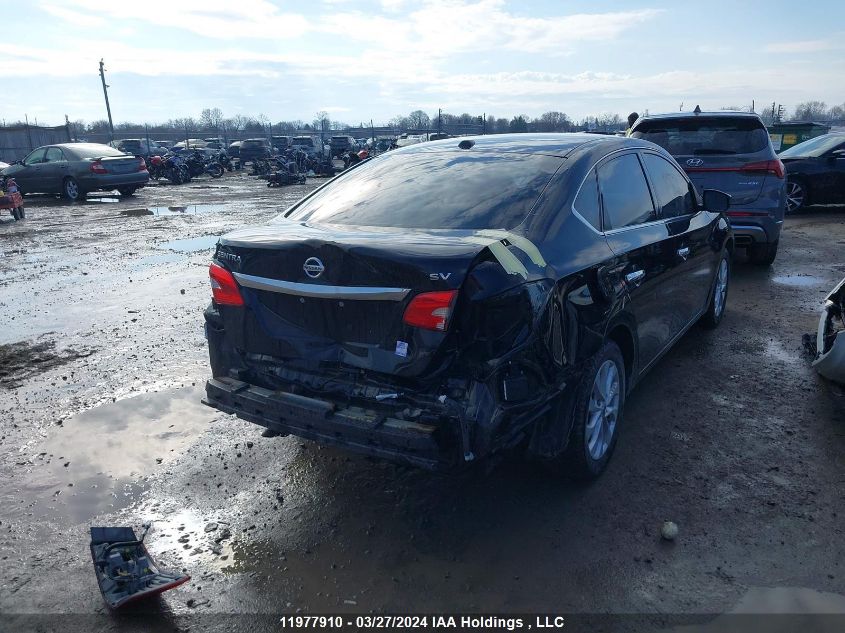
199 165
174 169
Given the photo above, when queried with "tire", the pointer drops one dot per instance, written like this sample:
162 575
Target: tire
796 196
71 189
15 214
589 449
126 191
763 254
719 298
216 170
22 213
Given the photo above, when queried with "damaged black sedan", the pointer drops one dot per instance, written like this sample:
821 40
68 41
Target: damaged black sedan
452 300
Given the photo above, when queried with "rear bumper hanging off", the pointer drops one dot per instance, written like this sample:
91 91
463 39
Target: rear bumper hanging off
353 428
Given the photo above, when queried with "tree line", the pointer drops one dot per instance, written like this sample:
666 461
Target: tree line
212 121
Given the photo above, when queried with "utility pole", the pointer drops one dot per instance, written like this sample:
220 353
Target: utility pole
439 121
106 95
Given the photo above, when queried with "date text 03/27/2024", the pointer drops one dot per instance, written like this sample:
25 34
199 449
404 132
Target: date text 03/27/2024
422 622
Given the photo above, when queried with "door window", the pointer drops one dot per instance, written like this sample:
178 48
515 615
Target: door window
671 189
53 155
624 192
35 157
587 201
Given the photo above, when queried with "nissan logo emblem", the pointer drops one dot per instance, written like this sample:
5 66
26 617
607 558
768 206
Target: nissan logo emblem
695 162
313 267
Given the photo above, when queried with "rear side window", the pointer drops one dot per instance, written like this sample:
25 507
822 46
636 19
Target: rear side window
701 136
434 190
624 192
53 155
671 190
587 201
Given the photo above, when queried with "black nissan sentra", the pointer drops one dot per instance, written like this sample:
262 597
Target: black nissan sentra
452 300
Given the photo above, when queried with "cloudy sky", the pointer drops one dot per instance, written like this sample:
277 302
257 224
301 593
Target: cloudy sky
374 59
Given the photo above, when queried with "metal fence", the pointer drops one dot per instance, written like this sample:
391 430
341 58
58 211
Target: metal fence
17 141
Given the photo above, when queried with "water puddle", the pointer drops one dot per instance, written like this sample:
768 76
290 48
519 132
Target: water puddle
191 209
100 459
798 281
778 610
105 200
191 245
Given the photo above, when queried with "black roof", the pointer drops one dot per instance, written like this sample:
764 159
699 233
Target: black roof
553 144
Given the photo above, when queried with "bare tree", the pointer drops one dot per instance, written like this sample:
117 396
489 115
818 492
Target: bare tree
419 120
811 111
553 122
211 119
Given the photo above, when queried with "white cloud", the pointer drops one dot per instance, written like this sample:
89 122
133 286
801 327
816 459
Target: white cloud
803 46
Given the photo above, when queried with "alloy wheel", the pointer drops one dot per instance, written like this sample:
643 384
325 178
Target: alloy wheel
72 189
794 196
603 410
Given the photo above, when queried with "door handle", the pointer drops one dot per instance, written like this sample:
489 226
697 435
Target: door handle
635 277
683 252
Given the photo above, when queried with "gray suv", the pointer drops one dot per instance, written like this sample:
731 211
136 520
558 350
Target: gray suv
729 151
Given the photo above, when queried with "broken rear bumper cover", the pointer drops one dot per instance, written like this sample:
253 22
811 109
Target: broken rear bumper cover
353 428
830 338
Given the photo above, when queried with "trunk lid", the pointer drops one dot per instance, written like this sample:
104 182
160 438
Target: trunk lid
119 164
726 173
330 293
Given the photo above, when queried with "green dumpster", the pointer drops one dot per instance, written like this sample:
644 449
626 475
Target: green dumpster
785 135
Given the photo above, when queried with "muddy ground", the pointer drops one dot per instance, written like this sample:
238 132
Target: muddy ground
102 360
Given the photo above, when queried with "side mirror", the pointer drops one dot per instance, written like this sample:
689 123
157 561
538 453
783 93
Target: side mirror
715 200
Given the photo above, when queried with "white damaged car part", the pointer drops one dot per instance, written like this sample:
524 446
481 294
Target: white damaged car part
830 340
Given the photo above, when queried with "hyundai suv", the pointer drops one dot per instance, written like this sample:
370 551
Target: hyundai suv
731 152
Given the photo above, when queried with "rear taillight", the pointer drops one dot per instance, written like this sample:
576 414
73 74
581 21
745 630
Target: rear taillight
142 165
774 167
224 288
98 168
430 310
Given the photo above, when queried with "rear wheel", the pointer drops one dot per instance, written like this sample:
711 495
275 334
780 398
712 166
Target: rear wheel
216 170
597 414
126 191
763 254
796 196
71 189
716 309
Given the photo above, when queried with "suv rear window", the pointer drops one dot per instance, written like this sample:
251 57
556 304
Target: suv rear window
434 190
703 135
252 144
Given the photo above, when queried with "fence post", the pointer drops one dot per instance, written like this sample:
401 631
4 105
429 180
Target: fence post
28 132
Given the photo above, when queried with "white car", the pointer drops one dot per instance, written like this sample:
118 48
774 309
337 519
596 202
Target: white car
830 339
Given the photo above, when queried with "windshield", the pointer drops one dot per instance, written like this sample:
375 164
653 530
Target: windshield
814 147
434 190
303 141
705 135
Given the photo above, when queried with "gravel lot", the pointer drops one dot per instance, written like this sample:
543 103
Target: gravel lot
732 436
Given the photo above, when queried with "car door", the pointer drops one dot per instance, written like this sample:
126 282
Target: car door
642 249
836 163
28 176
687 287
54 170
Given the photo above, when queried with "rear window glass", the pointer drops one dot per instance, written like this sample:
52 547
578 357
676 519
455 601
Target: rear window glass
815 147
705 135
252 143
671 190
86 150
434 190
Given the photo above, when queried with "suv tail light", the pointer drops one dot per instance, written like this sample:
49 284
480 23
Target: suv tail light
224 288
98 168
430 310
774 167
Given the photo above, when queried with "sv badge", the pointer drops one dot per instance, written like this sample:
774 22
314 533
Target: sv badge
439 276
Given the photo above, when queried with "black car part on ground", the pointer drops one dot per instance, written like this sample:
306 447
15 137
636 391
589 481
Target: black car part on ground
436 324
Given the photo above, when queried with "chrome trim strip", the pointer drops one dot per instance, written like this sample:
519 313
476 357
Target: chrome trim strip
322 292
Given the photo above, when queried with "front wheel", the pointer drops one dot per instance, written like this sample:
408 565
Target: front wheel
763 254
796 196
597 414
716 308
71 189
215 170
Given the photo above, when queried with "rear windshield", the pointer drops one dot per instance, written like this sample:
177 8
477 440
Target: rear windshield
434 190
252 143
92 150
705 135
303 141
815 147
